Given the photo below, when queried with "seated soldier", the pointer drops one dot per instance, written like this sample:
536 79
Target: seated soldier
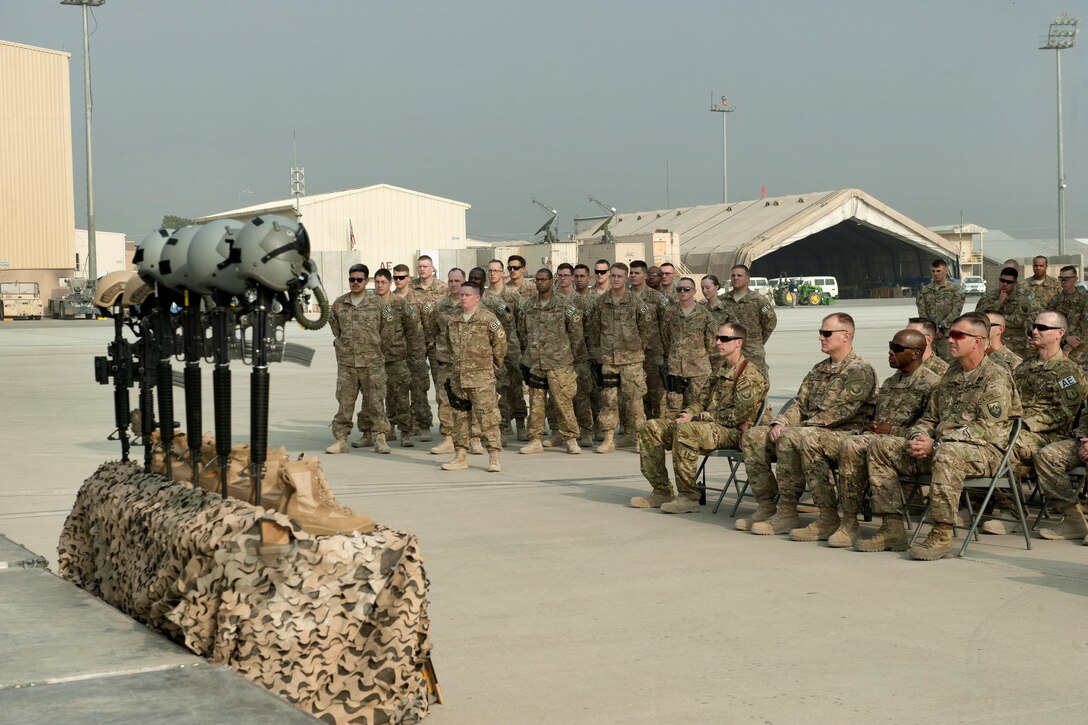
835 400
928 328
899 403
962 433
726 408
1052 389
998 350
1053 464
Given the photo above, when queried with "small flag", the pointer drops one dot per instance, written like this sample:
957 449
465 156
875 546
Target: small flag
762 195
351 235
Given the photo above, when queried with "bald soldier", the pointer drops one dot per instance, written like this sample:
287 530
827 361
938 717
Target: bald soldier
942 302
962 433
997 350
752 310
901 400
928 328
1072 302
726 408
835 400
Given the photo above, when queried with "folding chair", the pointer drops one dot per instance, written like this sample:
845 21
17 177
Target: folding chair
1078 472
735 456
1003 478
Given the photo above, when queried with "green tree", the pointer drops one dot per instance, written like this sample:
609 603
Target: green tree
173 221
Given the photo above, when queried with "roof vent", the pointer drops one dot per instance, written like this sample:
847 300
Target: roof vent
800 200
658 216
677 212
766 203
638 218
729 208
776 203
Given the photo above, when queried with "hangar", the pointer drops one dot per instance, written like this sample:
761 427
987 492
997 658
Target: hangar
847 233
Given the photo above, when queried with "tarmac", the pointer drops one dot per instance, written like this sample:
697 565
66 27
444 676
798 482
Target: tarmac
551 601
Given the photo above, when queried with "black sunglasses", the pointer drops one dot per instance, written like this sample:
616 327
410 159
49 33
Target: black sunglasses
601 271
897 348
1044 328
1007 281
728 338
399 277
685 289
356 280
827 333
514 268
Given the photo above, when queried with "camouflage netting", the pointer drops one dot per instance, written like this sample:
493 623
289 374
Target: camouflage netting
336 625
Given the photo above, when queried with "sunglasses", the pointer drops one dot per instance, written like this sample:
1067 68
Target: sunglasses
601 271
960 335
897 348
1067 276
728 338
399 277
685 289
357 280
514 268
1007 281
827 333
1044 328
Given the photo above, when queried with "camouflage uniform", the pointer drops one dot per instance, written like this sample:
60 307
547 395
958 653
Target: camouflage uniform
721 316
404 346
689 340
1051 394
549 331
524 291
503 307
417 367
1004 357
900 402
1040 292
656 305
586 389
1017 311
477 348
429 298
1075 309
942 303
835 400
439 322
618 331
969 418
935 364
1053 464
756 313
360 366
730 399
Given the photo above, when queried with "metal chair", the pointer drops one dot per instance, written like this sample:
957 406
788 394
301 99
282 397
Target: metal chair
1003 477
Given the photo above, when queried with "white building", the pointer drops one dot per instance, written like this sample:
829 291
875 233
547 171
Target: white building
391 226
110 253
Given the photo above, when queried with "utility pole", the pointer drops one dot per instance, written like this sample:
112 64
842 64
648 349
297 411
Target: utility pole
725 109
1062 36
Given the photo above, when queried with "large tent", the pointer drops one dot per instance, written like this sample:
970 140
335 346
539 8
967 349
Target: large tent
845 233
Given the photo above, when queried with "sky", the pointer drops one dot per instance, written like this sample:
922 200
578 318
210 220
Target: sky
938 108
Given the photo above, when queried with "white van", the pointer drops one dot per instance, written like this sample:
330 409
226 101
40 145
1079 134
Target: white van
829 285
763 286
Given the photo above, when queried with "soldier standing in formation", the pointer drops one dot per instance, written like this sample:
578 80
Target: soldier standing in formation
404 347
477 345
1040 287
1011 302
668 280
942 302
688 335
962 433
727 407
358 327
601 283
752 310
429 291
504 301
566 277
550 329
655 305
515 265
439 322
417 366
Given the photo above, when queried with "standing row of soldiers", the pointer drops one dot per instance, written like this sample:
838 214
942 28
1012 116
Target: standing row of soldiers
636 344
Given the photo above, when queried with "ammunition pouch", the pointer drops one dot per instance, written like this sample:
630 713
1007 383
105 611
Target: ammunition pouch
457 402
676 384
538 382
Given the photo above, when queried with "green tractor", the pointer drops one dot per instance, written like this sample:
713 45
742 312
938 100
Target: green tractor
807 294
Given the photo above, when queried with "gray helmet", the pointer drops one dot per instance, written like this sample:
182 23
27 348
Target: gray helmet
110 288
174 258
147 255
274 251
213 259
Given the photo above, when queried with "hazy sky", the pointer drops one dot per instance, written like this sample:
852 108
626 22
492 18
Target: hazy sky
932 106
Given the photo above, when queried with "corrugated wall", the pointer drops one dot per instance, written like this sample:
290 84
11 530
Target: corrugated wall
37 204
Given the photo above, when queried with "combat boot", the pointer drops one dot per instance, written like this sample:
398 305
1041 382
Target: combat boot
380 446
820 530
846 533
784 520
406 440
446 446
305 506
653 501
554 440
598 435
938 544
533 447
493 465
608 445
586 441
366 440
573 448
1073 526
765 511
425 435
523 435
681 505
459 462
475 447
627 440
891 536
340 446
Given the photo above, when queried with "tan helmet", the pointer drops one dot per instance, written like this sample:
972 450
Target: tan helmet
110 288
137 292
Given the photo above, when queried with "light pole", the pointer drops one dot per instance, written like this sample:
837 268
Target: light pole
725 109
1063 35
92 251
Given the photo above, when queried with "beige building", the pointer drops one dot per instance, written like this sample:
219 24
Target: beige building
37 205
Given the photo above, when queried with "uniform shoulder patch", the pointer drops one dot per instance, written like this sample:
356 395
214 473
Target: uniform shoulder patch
428 306
503 308
663 302
387 313
644 309
1067 382
495 326
994 408
765 309
571 312
408 309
